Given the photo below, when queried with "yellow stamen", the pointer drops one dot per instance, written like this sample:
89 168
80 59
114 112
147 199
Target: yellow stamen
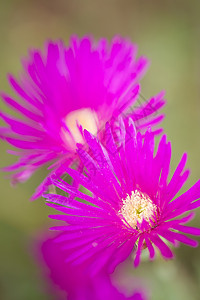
84 117
137 207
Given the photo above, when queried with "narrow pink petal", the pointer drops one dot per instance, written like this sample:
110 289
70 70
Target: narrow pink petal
25 112
139 251
183 239
164 249
187 229
150 248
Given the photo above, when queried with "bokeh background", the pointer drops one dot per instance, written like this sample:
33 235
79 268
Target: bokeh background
168 32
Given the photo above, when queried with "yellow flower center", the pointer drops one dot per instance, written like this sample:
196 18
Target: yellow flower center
136 208
84 117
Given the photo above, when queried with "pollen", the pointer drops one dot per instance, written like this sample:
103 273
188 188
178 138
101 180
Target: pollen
86 118
136 208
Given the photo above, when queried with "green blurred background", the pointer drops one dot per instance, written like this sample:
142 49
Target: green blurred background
168 33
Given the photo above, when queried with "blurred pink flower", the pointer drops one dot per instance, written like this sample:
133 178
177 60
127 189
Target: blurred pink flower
131 204
68 89
74 281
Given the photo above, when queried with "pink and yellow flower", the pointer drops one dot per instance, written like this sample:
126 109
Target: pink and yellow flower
65 90
131 203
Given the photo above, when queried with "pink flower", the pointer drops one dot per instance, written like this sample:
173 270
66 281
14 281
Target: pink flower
65 90
131 204
74 281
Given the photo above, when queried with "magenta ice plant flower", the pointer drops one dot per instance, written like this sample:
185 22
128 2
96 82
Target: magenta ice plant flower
129 203
74 281
64 90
